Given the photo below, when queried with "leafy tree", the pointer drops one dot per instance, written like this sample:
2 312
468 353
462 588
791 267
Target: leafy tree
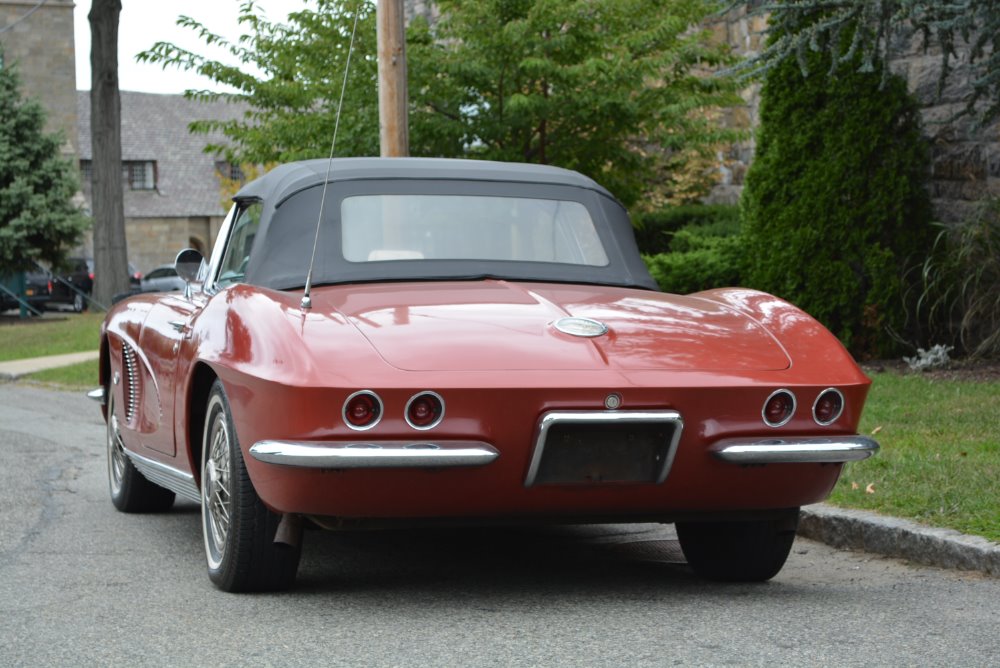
611 88
38 220
835 206
818 25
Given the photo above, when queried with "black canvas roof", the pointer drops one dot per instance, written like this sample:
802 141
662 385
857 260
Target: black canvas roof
283 181
293 194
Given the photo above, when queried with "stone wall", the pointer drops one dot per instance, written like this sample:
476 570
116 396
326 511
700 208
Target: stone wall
42 46
155 241
965 156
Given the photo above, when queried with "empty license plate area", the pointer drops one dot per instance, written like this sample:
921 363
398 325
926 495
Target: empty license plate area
596 448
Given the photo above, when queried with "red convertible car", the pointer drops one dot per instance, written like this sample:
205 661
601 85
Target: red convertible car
385 341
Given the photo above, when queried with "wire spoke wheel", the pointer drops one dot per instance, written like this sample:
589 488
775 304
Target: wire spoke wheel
116 451
217 487
238 528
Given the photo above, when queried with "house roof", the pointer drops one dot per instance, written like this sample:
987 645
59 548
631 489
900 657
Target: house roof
155 127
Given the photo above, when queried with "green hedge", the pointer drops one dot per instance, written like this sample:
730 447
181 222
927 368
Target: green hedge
835 208
654 231
703 252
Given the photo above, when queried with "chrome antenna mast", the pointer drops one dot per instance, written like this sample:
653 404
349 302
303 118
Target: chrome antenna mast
306 302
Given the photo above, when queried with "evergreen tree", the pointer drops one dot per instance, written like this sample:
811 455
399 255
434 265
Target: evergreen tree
38 220
835 205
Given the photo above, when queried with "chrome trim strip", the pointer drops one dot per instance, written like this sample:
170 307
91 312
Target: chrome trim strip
591 417
795 450
374 454
99 396
839 413
179 482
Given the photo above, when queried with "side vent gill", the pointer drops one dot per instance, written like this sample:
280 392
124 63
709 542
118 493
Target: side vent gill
131 377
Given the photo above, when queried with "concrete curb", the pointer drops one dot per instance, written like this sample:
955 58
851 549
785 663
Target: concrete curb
14 369
893 537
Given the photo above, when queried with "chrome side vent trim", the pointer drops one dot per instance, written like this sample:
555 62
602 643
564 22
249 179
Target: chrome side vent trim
131 389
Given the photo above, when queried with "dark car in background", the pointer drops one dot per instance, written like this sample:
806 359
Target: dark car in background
73 287
37 290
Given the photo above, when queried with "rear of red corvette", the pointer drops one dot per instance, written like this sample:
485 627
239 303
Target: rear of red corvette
471 342
530 416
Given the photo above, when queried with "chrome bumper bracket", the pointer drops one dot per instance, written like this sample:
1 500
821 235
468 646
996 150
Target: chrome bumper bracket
795 450
374 455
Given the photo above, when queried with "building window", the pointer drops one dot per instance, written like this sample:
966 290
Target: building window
136 174
139 174
230 171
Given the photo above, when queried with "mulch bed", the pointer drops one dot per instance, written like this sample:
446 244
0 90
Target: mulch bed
976 371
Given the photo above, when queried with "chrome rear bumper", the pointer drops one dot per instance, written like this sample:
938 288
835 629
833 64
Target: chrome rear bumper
372 455
795 450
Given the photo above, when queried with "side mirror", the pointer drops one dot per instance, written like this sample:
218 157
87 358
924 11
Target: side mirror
187 264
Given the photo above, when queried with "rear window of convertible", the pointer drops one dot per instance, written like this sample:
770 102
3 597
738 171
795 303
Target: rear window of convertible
378 228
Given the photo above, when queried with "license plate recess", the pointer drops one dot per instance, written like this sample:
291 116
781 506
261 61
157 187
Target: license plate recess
604 447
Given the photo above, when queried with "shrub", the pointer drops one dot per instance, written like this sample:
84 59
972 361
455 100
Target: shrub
835 206
654 231
704 253
961 284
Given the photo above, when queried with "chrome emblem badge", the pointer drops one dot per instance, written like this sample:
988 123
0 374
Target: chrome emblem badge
585 327
613 401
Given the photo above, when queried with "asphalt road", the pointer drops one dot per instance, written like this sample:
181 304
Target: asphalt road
81 584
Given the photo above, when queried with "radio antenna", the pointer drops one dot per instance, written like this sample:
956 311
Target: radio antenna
306 302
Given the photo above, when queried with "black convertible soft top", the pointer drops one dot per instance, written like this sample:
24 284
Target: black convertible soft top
287 179
290 195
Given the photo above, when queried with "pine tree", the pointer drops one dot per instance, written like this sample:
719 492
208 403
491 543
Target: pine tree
38 220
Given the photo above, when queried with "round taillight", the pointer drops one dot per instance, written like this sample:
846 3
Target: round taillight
779 408
362 410
828 407
425 410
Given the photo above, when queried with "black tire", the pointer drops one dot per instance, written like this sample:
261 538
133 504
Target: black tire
238 529
130 491
741 551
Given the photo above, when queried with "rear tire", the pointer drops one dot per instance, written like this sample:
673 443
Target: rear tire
237 527
78 303
131 492
741 551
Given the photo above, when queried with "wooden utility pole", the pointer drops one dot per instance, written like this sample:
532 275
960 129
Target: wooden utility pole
394 134
110 253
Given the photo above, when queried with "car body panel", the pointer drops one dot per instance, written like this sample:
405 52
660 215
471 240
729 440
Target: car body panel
489 347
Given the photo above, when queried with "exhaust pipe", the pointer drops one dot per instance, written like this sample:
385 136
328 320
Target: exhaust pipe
289 530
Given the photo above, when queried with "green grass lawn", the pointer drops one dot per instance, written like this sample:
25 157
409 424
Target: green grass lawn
82 376
50 336
940 457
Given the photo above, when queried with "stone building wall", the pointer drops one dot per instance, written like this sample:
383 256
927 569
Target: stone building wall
965 156
156 241
42 46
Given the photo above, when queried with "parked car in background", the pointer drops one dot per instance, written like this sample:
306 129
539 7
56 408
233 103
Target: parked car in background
37 290
75 284
162 279
475 342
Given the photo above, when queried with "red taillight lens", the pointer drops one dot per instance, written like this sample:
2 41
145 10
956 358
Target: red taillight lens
50 286
362 410
779 408
828 407
91 274
425 410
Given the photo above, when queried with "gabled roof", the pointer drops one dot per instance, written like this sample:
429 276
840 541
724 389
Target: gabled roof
155 127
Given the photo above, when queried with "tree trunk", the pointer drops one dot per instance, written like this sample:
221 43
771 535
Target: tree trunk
110 252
